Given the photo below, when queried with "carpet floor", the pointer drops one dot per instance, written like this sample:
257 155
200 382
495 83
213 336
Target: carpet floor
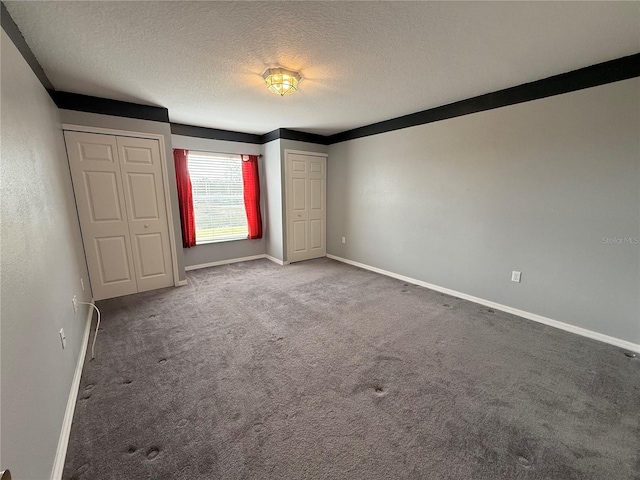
320 370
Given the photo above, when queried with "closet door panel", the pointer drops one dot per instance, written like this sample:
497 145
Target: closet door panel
114 266
144 200
102 196
96 176
146 211
151 250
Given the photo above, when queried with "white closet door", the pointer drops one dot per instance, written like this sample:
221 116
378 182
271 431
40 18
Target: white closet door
317 206
95 170
306 206
146 211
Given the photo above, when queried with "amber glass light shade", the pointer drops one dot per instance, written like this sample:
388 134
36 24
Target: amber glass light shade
281 81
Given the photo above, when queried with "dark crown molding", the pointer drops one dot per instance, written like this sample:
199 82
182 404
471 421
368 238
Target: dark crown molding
599 74
214 133
592 76
270 136
106 106
288 134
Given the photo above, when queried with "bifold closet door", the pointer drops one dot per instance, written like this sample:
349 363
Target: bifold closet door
120 197
97 184
146 211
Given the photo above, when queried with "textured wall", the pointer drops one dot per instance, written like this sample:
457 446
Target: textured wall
216 252
42 263
274 212
536 187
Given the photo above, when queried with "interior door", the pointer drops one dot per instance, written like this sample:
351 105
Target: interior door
146 211
306 206
95 170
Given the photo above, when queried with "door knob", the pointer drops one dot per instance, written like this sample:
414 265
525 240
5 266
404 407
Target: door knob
299 214
146 225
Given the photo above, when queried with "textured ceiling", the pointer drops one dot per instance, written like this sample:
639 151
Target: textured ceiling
361 62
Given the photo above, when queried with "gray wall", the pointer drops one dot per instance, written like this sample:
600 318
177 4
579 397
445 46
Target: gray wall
274 212
536 187
216 252
143 126
42 264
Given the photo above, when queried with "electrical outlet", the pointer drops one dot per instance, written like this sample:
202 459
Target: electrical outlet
344 239
74 300
515 276
82 284
63 338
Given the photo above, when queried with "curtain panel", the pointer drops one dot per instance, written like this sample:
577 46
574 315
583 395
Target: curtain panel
185 197
251 183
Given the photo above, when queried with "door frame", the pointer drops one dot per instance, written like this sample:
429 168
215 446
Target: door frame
165 179
285 197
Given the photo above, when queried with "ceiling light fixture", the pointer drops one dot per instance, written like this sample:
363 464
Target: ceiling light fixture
281 80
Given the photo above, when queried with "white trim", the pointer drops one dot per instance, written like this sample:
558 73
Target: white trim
165 179
167 201
182 283
224 262
108 131
241 237
63 442
276 260
304 152
514 311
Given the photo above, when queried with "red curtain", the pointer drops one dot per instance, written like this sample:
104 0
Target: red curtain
185 198
251 184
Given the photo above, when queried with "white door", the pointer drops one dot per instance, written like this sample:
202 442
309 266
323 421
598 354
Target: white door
97 184
306 206
120 199
146 211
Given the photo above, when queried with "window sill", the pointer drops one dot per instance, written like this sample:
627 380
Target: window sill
223 240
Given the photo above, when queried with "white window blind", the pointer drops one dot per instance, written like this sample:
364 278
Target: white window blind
218 198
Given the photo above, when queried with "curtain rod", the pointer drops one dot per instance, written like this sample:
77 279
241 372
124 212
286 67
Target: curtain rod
222 153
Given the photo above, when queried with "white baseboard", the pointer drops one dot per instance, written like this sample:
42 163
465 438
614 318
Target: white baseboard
276 260
232 260
63 442
224 262
514 311
182 283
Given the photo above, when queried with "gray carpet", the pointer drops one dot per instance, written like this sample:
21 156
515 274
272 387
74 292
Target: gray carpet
320 370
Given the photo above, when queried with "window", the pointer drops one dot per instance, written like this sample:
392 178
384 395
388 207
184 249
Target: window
218 201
